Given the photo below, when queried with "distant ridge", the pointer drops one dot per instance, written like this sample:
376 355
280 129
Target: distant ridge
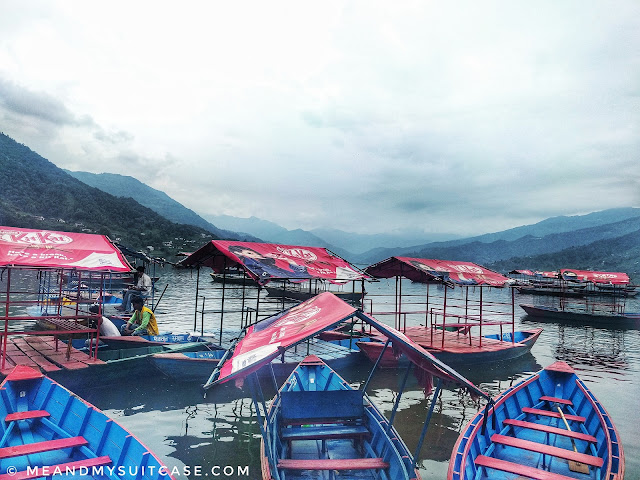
156 200
34 193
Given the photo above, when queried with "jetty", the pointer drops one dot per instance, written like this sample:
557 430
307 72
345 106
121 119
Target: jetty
36 268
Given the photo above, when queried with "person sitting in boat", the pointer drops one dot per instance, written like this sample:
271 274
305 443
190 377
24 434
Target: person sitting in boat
142 288
142 322
107 328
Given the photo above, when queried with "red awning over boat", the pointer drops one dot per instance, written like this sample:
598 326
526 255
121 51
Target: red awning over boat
447 271
268 339
25 247
269 261
530 273
614 278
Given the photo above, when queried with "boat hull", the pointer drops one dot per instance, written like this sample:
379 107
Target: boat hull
525 434
49 427
584 318
525 340
317 423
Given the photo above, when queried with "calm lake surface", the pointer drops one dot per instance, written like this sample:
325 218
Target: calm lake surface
219 434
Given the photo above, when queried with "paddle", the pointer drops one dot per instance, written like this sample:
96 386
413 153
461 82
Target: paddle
573 465
156 306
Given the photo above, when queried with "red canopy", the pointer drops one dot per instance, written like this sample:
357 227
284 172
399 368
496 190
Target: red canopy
614 278
48 249
268 261
266 340
421 270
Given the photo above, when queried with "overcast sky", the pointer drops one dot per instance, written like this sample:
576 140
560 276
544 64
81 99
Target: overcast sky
458 117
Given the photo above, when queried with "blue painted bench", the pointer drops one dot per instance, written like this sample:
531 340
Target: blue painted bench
322 415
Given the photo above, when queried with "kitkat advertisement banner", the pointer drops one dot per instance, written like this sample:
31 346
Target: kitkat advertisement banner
49 249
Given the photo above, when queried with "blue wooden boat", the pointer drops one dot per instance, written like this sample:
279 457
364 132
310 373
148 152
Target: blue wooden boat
192 366
317 422
187 366
318 426
547 427
49 430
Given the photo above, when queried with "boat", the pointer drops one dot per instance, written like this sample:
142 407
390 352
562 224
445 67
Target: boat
577 291
495 348
233 279
303 291
197 366
50 430
317 426
584 316
187 366
550 426
318 422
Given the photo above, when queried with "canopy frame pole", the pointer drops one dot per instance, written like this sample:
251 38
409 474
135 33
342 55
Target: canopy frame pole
480 336
427 420
195 313
375 365
6 319
397 402
224 281
255 390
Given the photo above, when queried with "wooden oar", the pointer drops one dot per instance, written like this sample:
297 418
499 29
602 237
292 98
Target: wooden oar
156 306
573 465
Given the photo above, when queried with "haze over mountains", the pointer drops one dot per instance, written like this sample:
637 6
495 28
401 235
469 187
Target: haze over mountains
523 244
34 193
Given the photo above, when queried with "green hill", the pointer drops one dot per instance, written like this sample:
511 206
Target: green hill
34 193
159 202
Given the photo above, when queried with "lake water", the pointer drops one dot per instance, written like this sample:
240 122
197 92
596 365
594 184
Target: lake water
220 436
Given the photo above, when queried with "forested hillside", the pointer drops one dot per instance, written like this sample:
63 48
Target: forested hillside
34 193
621 254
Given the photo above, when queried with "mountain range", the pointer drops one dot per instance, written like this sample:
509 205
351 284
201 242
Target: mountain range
136 214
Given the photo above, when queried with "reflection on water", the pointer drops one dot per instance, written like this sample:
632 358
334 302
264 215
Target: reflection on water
185 429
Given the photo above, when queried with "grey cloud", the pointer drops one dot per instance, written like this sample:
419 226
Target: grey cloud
40 105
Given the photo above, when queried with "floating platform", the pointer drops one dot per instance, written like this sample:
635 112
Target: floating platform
40 352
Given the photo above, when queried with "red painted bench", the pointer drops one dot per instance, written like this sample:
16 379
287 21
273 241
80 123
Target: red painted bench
39 447
548 413
330 464
26 415
552 430
562 401
547 450
62 467
525 471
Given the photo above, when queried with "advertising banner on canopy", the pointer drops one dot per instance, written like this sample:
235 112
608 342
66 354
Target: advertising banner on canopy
264 341
447 271
268 339
613 278
268 261
48 249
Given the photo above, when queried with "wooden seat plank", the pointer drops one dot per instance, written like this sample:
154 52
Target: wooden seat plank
524 470
549 413
26 415
326 432
549 429
563 401
333 464
547 450
39 447
62 467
